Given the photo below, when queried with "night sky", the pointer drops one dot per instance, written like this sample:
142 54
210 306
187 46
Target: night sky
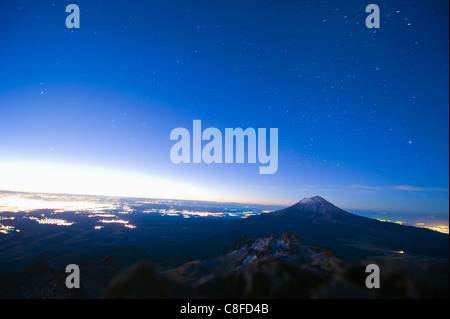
362 114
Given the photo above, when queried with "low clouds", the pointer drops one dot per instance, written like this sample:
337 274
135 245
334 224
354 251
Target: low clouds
411 188
408 188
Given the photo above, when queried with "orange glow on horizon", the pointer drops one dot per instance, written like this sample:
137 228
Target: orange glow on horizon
57 178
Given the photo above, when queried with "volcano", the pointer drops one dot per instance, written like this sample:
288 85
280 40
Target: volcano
319 222
318 209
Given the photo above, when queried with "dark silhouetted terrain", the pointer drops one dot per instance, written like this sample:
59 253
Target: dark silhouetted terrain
323 255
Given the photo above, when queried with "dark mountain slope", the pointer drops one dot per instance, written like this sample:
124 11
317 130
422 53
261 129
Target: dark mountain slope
318 222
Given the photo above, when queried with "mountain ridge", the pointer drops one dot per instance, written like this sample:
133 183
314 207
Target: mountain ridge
319 222
315 208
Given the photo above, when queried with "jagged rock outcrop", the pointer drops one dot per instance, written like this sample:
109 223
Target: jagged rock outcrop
278 266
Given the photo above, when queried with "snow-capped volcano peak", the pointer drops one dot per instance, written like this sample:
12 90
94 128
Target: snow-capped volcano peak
312 200
317 207
314 203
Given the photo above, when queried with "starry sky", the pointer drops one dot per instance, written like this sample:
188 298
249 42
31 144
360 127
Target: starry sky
362 113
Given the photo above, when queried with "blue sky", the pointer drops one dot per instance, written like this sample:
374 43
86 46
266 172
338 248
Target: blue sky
362 114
